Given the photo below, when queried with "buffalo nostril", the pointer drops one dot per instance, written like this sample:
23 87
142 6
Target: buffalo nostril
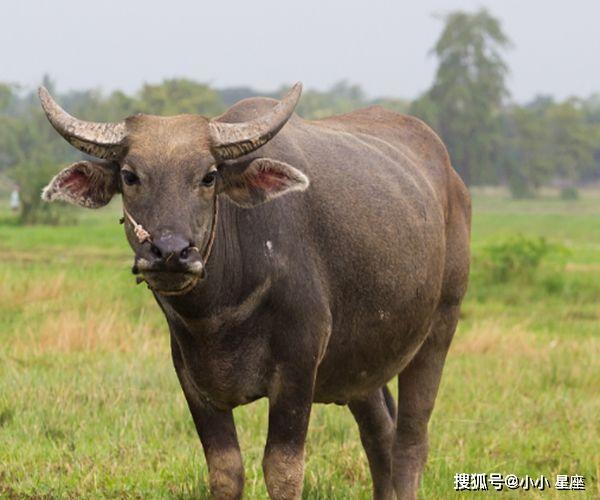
155 251
185 253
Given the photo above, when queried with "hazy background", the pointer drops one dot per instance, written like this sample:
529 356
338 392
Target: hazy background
380 45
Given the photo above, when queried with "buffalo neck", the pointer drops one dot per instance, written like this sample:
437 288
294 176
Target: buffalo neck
228 277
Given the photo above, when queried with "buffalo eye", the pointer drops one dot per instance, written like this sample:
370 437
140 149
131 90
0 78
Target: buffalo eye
209 179
129 177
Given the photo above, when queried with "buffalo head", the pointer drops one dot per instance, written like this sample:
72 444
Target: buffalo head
170 171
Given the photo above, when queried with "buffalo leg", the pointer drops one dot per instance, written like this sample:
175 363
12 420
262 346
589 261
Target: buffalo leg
289 412
218 436
417 389
375 421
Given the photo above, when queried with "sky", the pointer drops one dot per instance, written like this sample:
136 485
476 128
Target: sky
384 46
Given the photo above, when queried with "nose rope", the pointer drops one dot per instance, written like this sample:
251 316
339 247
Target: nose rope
142 235
213 232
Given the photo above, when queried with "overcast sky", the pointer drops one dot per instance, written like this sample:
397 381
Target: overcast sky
381 45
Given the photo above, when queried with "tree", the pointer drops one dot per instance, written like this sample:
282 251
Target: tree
340 98
572 142
31 177
7 97
527 154
550 141
591 110
464 104
10 127
178 96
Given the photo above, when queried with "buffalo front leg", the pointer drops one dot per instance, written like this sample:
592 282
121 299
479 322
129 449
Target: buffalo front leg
289 412
417 389
218 436
375 419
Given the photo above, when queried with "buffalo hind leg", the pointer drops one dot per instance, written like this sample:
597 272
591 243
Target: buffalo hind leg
417 389
375 415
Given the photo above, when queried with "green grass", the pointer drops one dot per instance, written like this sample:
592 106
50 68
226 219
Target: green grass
90 405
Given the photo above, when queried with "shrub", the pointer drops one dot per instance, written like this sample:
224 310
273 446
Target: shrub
31 179
516 258
520 188
569 193
554 284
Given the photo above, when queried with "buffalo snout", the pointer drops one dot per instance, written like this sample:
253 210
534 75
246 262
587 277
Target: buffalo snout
169 252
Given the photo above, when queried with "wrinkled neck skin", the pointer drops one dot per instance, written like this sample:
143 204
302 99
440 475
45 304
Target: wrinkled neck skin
222 285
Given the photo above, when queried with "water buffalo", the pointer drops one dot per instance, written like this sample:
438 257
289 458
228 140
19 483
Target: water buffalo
302 261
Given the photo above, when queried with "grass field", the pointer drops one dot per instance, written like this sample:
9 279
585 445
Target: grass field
90 405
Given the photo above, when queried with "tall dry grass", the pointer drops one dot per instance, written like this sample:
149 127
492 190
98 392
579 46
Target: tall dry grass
92 329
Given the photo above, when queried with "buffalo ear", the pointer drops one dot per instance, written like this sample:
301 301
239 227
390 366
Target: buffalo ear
262 180
85 183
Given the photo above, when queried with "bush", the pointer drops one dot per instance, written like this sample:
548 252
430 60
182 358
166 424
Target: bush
32 178
569 193
516 258
554 284
520 189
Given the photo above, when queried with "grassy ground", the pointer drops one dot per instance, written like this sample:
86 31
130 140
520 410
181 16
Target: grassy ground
90 405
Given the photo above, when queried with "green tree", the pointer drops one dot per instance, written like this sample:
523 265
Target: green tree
31 152
7 97
549 141
572 142
465 101
392 103
31 177
527 155
179 96
342 97
591 110
9 127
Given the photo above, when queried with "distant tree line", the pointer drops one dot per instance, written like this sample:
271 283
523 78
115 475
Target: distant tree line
27 136
492 140
31 152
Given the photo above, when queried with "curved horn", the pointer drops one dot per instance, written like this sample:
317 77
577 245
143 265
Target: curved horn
231 140
102 140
